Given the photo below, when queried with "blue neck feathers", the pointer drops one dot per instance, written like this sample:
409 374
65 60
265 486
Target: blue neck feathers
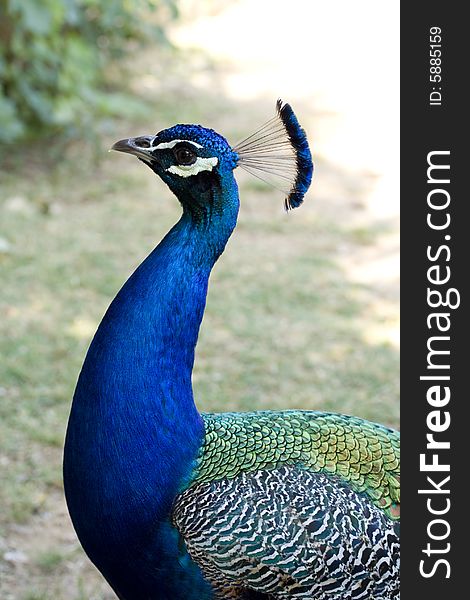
134 430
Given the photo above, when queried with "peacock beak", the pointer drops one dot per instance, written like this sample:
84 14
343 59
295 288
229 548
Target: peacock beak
139 146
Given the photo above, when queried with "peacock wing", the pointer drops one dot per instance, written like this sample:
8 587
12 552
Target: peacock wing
364 455
294 504
288 532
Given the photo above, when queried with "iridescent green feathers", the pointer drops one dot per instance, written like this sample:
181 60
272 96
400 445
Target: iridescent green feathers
363 454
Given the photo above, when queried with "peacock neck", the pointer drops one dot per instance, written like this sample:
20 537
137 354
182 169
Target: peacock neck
134 431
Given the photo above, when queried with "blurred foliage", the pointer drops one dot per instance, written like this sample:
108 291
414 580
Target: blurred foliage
61 60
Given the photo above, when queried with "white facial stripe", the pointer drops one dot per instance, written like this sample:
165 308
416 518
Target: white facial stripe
172 144
201 164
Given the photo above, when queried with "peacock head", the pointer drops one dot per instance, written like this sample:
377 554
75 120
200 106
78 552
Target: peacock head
184 156
193 160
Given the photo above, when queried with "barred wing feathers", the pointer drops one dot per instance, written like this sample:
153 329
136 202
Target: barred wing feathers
295 504
289 533
364 454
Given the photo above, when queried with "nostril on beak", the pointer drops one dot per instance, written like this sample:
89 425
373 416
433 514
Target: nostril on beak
140 146
142 142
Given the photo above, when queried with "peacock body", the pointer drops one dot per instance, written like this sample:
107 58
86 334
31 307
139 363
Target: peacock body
171 504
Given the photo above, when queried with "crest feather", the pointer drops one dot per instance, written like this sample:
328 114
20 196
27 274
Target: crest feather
278 153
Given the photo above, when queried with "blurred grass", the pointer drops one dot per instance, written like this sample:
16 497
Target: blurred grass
62 62
284 326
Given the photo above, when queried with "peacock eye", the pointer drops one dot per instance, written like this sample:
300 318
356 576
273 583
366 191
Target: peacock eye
184 156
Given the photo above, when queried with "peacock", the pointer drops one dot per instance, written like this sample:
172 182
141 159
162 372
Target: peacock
169 503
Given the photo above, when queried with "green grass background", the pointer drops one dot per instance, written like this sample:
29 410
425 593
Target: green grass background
285 326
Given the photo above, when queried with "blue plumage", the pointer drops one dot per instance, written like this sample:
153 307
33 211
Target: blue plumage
303 156
134 431
139 457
